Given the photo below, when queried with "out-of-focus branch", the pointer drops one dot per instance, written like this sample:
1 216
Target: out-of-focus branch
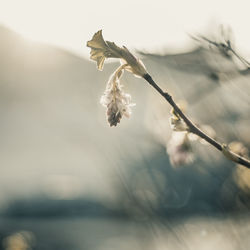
225 47
192 128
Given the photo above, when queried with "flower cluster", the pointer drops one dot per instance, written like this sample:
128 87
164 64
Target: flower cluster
115 100
179 149
179 146
176 123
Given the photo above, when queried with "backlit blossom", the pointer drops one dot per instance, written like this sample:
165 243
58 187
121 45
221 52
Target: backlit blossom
115 99
179 149
234 150
176 122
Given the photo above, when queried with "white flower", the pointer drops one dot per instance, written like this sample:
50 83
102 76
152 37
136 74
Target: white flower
179 149
115 99
177 124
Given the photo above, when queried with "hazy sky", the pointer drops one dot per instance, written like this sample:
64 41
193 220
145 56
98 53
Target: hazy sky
150 25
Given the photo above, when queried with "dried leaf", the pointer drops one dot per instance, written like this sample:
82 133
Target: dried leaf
100 50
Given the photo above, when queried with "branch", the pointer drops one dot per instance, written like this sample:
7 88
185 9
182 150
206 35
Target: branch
195 130
118 104
225 47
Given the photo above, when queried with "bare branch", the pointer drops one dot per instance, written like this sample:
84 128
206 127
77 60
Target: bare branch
100 50
192 128
224 47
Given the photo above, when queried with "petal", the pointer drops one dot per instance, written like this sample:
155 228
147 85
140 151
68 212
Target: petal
97 41
100 62
95 53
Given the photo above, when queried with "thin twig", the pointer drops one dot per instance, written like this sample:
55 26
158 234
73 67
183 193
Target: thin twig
195 130
226 47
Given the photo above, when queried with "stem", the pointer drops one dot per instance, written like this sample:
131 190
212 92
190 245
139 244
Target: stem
195 130
228 47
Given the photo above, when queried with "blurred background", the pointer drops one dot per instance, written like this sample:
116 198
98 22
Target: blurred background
69 181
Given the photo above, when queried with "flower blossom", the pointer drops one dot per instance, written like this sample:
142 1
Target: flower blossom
176 122
115 99
179 149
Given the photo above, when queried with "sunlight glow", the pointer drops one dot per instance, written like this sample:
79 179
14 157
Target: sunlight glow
150 25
